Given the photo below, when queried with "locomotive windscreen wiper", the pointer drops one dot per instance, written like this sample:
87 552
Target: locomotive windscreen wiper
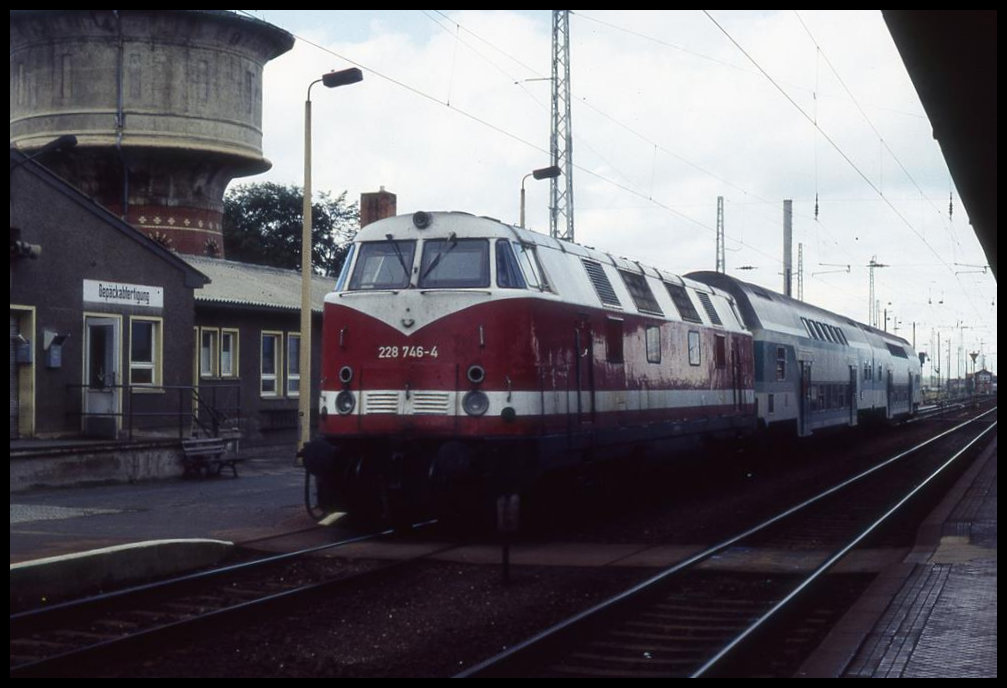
402 261
452 241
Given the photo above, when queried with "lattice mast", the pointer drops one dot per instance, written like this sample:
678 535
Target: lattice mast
561 136
721 261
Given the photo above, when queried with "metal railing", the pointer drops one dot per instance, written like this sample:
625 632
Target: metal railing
210 408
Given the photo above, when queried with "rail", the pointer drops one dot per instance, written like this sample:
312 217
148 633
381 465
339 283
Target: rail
540 644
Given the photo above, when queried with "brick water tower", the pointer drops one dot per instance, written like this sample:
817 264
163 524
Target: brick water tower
166 106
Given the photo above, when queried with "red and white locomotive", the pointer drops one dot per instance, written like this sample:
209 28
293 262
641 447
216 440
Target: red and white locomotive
463 358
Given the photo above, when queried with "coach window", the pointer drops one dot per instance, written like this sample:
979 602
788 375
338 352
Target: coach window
720 351
269 364
455 263
145 351
694 344
653 335
207 352
293 364
613 340
781 363
508 272
228 353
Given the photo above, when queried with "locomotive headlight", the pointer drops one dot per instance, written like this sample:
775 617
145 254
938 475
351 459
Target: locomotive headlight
345 374
345 402
475 403
476 374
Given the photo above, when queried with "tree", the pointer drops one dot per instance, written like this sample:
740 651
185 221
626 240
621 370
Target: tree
262 225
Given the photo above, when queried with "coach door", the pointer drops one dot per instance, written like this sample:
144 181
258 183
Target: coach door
889 396
804 399
852 395
584 372
102 375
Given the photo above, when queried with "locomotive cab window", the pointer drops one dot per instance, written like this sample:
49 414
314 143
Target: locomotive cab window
531 267
344 271
383 265
508 271
455 264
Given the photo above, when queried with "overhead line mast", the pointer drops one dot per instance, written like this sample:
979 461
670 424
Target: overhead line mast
561 136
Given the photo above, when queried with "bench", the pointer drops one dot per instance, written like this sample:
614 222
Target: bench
202 455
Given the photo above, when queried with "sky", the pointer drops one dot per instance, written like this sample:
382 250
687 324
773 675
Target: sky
670 109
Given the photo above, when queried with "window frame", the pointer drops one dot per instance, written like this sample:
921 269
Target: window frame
292 391
695 345
234 334
156 364
276 376
652 338
213 358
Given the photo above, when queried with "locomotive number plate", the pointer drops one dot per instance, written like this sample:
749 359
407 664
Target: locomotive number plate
406 352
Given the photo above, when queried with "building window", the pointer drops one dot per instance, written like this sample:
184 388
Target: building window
145 351
781 363
207 352
293 364
229 353
269 366
653 344
694 345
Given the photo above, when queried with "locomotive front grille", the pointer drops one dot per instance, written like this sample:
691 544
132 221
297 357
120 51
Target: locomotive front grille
431 403
381 402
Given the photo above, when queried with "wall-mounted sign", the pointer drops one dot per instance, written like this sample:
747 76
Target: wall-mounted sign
122 294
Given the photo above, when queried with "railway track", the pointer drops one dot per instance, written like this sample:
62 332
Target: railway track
690 620
77 637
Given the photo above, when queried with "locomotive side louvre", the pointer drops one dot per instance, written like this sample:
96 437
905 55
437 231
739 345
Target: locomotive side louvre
816 369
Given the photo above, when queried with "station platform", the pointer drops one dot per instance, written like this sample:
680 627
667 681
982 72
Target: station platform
929 613
934 614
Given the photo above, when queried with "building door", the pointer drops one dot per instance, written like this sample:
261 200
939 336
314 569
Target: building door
102 375
15 401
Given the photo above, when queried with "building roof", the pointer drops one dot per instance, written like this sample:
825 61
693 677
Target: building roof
257 286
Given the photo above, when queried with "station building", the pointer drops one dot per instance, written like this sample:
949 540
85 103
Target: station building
128 325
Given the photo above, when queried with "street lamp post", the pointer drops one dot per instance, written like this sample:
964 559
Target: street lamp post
550 172
330 80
